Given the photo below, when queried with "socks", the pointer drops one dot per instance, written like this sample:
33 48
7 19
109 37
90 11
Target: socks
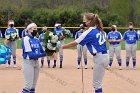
42 62
134 62
120 62
127 63
110 64
98 90
14 60
32 91
48 63
55 62
85 60
26 91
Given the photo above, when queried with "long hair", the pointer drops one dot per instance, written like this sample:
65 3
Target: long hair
96 21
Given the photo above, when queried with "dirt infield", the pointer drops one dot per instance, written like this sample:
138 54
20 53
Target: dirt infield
68 79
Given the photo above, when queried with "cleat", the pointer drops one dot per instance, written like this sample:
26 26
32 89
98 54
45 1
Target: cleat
127 68
78 67
120 67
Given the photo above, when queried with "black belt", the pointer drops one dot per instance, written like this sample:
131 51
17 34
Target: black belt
104 52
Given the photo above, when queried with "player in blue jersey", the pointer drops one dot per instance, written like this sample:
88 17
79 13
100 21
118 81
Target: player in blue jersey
11 42
94 39
41 38
114 38
1 34
58 29
32 50
82 50
24 33
131 37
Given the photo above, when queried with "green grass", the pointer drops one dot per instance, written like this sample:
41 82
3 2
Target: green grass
70 40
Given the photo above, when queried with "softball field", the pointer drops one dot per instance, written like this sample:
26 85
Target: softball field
69 79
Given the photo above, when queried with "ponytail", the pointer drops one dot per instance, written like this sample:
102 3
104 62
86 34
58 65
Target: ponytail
98 22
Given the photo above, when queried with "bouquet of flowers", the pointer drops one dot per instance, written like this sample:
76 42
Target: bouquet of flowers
51 43
5 53
66 33
12 36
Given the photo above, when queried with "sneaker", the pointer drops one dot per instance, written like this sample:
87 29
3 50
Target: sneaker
127 68
7 65
60 66
48 66
134 68
108 67
78 67
41 66
85 66
120 67
54 66
14 66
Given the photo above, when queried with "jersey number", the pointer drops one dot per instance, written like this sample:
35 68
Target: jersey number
101 38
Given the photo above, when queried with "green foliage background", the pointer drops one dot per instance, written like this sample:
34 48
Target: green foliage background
46 12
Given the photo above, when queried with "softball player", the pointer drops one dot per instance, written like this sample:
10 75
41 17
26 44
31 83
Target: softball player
32 50
114 38
24 33
131 38
11 43
41 37
1 35
81 49
94 39
58 31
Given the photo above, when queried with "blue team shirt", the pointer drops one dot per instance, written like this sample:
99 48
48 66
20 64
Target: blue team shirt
131 37
0 34
31 44
24 33
77 35
10 30
94 40
41 37
59 31
114 35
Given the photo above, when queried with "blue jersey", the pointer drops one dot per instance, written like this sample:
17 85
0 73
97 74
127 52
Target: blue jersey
114 36
10 30
41 37
131 37
94 40
24 33
0 34
78 33
59 31
31 45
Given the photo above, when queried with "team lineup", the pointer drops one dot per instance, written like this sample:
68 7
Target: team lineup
90 36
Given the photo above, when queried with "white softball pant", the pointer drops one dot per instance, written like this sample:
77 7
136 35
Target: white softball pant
115 49
30 72
101 61
130 51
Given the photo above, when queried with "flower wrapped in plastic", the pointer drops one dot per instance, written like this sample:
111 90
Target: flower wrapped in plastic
66 33
51 43
12 36
5 53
